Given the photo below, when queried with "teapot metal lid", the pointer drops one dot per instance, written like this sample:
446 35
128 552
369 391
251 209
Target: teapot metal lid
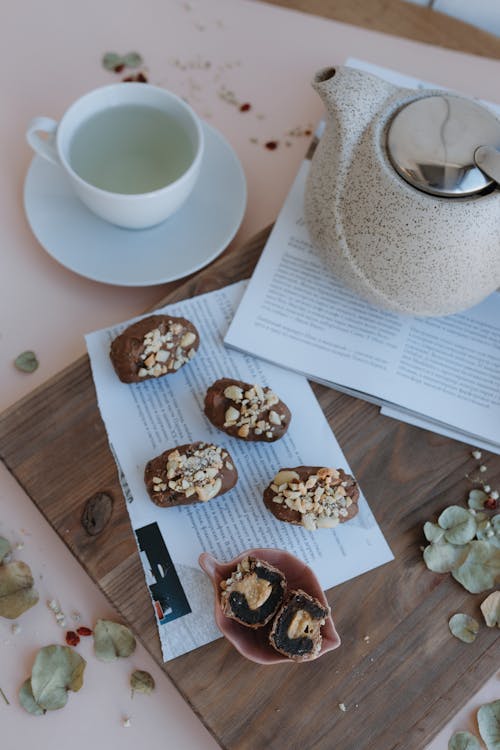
432 142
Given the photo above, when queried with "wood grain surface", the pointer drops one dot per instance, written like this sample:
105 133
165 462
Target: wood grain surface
399 685
405 19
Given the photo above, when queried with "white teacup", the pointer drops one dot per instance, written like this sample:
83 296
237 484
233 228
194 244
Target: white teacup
132 152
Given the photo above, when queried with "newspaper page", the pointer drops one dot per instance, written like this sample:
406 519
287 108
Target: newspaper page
145 419
297 314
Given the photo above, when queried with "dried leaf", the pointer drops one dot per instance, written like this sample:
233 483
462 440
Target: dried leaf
460 525
477 499
490 608
142 682
433 532
17 593
481 569
443 557
488 719
26 362
110 60
132 59
56 670
112 640
464 627
27 700
464 741
5 548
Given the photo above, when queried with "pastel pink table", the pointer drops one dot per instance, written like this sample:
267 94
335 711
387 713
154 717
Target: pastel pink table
217 54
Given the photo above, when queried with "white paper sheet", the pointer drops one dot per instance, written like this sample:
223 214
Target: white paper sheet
295 313
145 419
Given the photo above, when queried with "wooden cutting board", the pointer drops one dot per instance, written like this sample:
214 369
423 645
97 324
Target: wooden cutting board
399 672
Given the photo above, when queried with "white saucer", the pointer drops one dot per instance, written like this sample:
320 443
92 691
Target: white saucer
182 244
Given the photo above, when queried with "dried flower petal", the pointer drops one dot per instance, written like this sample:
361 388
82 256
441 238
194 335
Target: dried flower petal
433 532
26 362
480 570
459 524
132 59
5 549
488 719
112 640
17 593
477 499
110 60
443 557
27 700
142 682
56 670
463 741
464 627
490 608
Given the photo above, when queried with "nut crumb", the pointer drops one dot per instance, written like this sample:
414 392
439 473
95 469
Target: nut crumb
477 454
126 721
342 707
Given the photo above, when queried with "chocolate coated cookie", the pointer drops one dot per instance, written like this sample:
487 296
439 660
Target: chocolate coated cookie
312 496
154 346
191 473
246 411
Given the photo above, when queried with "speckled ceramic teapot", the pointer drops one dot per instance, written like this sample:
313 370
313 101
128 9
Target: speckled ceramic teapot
401 198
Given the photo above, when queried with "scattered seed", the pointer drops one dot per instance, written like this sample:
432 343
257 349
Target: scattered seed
494 495
483 468
15 628
126 721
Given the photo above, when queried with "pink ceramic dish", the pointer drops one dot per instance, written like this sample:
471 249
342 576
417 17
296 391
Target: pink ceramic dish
254 644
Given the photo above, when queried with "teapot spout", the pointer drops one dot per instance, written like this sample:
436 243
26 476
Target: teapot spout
351 97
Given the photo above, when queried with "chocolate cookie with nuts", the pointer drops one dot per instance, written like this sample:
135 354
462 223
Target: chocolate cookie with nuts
253 592
296 630
246 411
191 473
312 496
154 346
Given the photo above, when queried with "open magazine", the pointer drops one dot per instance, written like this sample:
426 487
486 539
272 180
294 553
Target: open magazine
439 373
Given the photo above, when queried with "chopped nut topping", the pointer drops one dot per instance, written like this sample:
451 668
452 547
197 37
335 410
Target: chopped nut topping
252 405
194 472
321 500
166 352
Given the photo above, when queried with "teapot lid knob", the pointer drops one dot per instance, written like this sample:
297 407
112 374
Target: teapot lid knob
432 140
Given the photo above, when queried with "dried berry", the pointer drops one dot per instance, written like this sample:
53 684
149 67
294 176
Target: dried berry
245 107
119 68
490 503
84 631
271 145
72 639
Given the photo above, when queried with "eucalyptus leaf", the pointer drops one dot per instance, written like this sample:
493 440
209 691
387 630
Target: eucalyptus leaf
132 59
477 499
464 627
110 60
27 700
112 640
481 569
460 525
485 530
142 682
5 548
464 741
488 719
17 593
433 532
56 670
490 608
26 362
443 558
